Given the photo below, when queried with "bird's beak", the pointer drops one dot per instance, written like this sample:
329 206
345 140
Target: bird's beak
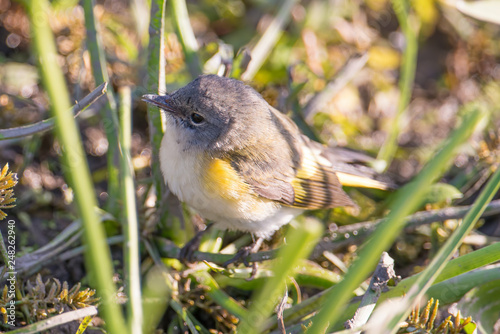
160 101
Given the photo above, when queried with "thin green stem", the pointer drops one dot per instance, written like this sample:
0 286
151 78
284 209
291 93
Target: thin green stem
129 217
300 242
97 257
269 39
185 32
194 326
218 295
408 68
447 291
156 295
156 83
409 200
156 119
109 113
438 263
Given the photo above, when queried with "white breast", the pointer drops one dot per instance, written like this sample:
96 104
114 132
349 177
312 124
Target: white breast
179 168
182 172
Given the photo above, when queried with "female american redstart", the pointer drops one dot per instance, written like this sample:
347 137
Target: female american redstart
243 164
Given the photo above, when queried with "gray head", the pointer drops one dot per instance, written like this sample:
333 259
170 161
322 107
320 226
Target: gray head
216 114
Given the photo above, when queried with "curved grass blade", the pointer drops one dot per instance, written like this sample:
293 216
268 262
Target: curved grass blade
97 255
408 68
438 263
185 32
407 200
130 225
300 242
109 114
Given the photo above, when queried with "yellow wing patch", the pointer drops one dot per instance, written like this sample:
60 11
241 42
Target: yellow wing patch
222 180
320 190
316 186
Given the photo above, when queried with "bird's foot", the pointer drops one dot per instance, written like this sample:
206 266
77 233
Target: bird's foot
243 254
187 251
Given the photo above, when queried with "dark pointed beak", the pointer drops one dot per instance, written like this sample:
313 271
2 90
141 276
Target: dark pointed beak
161 101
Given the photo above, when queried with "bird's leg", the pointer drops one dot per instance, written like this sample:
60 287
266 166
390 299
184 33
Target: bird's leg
243 254
186 253
255 265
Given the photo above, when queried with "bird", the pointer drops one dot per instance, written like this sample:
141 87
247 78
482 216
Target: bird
243 164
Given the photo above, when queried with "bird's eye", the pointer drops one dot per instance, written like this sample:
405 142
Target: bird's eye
197 118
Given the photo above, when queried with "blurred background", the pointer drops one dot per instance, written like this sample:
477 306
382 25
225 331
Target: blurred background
453 61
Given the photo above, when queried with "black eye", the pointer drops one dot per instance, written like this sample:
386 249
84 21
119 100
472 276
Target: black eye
197 118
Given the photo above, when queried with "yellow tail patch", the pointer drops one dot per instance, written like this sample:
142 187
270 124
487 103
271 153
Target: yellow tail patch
351 180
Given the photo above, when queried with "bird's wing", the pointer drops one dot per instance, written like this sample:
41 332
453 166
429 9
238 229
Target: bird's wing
288 169
352 168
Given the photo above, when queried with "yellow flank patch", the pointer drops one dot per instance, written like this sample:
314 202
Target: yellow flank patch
351 180
223 181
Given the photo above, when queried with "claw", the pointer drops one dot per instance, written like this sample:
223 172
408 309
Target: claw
243 255
187 252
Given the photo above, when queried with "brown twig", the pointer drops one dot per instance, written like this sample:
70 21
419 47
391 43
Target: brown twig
344 75
170 250
383 274
357 232
279 313
57 320
345 235
29 130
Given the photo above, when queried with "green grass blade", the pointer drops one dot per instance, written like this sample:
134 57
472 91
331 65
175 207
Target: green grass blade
268 40
156 296
455 267
300 242
195 327
453 289
211 241
97 255
139 10
471 261
307 274
447 291
186 36
130 223
458 277
408 68
407 200
108 113
437 265
156 83
218 296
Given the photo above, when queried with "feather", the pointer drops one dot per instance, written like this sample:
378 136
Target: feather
285 169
